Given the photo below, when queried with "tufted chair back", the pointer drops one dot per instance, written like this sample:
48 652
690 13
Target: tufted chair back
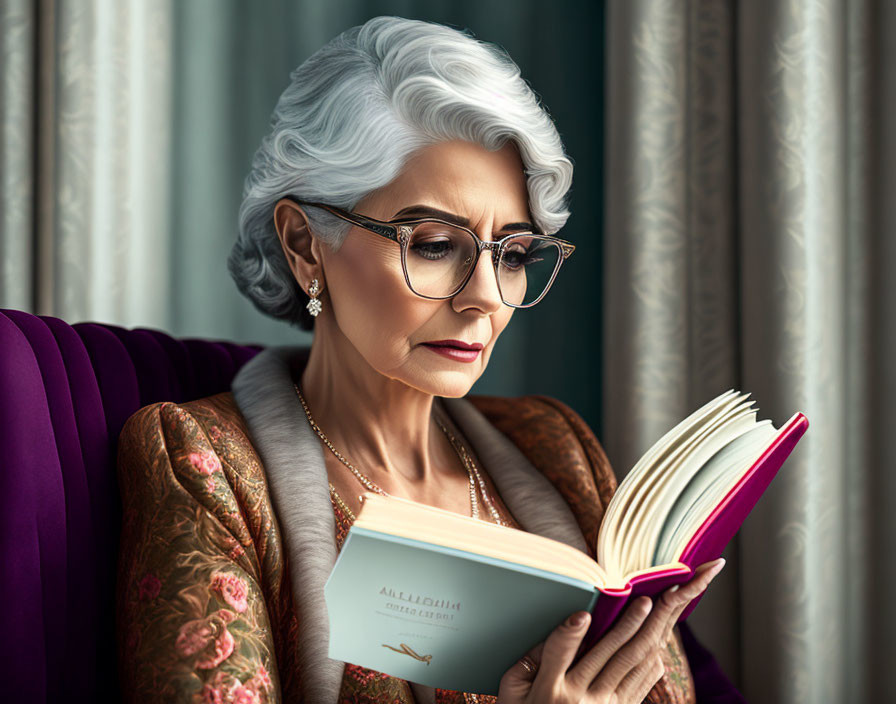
65 392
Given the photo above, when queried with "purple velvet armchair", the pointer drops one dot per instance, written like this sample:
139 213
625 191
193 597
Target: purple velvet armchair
65 393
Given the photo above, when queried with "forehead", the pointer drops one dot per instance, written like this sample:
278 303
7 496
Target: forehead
462 178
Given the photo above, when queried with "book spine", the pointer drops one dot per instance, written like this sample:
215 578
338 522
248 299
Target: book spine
707 543
719 529
611 603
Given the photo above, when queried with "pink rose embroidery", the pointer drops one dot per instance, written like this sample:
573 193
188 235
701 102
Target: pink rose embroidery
205 462
194 636
209 695
243 695
221 649
223 688
226 615
216 689
214 432
149 586
231 589
260 681
208 638
210 485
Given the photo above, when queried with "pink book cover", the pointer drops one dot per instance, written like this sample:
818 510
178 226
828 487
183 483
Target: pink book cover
707 543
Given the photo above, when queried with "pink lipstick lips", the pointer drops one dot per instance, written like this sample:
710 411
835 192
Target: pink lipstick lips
455 349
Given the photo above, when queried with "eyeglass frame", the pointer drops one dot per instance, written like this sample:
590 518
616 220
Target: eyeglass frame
400 232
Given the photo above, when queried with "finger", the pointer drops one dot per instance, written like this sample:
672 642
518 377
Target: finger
645 643
561 645
636 685
653 634
517 680
526 671
679 596
705 573
675 599
595 660
534 654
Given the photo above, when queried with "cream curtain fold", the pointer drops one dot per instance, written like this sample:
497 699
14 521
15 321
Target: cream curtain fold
16 169
749 234
85 159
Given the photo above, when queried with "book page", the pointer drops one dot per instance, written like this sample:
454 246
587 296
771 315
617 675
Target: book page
640 536
634 531
708 487
409 519
620 504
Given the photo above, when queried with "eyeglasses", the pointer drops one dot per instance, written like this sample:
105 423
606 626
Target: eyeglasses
438 257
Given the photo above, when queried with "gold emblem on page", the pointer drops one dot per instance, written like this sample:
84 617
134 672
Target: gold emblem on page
408 650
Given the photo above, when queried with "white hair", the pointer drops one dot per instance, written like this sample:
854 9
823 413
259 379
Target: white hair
354 113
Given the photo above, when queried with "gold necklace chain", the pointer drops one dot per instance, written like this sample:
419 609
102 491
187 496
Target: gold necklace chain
469 465
471 468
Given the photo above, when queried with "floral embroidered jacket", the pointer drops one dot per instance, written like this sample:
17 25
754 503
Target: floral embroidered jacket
205 605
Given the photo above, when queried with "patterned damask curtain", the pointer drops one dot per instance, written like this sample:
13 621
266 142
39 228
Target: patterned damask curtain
84 158
749 243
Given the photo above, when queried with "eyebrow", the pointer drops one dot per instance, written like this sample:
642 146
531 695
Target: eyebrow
429 211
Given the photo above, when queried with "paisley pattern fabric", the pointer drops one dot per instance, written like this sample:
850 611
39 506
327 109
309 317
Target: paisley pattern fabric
204 607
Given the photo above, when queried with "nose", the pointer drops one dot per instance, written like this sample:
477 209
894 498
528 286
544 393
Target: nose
481 290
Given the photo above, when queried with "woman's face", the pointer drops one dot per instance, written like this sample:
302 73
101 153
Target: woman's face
372 306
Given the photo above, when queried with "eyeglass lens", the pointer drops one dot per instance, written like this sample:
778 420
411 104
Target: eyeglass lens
439 257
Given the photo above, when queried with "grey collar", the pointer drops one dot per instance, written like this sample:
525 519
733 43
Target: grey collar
293 459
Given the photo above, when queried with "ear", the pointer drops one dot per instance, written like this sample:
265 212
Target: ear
300 247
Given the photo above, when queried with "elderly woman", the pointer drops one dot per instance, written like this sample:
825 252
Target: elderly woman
404 205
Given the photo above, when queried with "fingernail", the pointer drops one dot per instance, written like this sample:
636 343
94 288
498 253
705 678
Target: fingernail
714 567
577 619
675 588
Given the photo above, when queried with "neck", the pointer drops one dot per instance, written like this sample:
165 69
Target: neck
382 426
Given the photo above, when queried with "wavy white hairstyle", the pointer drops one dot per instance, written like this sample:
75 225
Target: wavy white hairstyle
353 114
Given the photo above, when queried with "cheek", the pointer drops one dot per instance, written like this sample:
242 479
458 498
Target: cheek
372 304
500 321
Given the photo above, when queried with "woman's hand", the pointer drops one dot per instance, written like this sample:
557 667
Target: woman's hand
621 668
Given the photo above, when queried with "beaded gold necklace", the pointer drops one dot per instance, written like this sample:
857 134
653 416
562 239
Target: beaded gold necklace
469 465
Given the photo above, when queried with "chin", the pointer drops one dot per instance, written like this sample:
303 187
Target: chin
459 393
449 384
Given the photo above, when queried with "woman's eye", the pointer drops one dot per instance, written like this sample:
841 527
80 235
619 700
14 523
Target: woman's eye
514 259
432 249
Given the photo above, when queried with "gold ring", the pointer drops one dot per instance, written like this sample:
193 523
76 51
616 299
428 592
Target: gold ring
528 663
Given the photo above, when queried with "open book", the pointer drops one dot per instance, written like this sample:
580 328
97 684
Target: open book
449 601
